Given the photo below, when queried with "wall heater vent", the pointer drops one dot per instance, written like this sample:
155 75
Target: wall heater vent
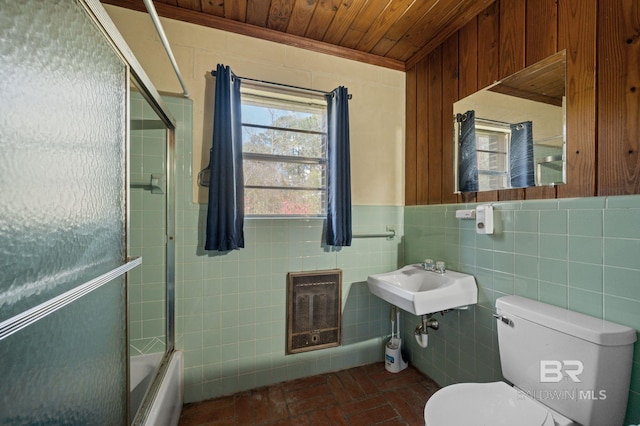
314 307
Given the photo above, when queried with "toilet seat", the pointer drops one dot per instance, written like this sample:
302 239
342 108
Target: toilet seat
490 404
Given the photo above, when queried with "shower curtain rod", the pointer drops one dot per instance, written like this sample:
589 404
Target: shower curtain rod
213 73
156 22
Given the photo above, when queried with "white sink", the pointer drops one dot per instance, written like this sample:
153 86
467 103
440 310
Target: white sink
420 292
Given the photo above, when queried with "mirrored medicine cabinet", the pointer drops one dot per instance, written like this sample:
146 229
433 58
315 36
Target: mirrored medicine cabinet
512 134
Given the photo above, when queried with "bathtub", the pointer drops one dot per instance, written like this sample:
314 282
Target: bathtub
165 404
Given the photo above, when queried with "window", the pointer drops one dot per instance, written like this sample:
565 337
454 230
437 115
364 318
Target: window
492 150
284 143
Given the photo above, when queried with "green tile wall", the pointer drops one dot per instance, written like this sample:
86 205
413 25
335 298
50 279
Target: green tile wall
230 308
581 254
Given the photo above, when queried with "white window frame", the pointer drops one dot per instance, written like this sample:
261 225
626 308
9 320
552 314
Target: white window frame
502 173
284 99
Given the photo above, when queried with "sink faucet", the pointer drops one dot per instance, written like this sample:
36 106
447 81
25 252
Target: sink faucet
437 267
428 264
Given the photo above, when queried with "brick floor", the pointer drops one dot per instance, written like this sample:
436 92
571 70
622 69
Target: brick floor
367 395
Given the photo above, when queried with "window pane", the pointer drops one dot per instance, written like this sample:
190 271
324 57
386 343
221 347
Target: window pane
487 182
278 117
279 142
280 173
492 141
282 202
493 162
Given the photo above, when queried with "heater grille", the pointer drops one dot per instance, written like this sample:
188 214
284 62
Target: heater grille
314 305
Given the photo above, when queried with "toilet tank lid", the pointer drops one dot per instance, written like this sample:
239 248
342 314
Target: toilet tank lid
583 326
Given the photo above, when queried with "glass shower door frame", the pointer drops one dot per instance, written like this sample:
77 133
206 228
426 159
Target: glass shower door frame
157 105
151 95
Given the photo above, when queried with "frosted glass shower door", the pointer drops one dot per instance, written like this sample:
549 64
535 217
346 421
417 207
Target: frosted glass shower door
63 122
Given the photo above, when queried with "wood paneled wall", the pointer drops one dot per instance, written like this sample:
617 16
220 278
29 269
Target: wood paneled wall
602 87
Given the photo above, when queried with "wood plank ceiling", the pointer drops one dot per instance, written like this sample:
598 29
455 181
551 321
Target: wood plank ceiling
395 34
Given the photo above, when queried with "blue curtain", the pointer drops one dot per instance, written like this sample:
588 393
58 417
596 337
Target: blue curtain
338 227
521 155
467 158
225 212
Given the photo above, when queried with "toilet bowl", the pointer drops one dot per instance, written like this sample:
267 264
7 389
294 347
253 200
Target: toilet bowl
490 404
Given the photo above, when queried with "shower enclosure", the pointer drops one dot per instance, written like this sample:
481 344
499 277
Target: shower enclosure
65 242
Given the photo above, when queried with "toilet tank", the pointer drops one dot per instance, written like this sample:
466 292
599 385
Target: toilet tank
576 364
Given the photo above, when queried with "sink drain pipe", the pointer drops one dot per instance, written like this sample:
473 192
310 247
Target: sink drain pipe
422 330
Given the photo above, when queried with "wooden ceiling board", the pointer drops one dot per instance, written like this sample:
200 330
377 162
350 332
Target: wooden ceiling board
321 19
423 31
380 25
451 23
279 14
257 13
390 33
301 16
362 23
341 22
235 10
430 23
188 4
211 7
400 28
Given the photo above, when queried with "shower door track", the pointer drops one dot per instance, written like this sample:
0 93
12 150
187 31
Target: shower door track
38 312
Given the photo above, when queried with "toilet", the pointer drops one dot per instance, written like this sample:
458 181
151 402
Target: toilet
565 369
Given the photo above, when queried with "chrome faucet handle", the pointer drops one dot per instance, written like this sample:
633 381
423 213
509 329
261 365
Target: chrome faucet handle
440 267
427 264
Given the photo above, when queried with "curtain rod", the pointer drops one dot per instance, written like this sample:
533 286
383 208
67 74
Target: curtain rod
213 73
488 120
462 117
163 38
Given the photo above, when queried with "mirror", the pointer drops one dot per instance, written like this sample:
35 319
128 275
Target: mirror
512 134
